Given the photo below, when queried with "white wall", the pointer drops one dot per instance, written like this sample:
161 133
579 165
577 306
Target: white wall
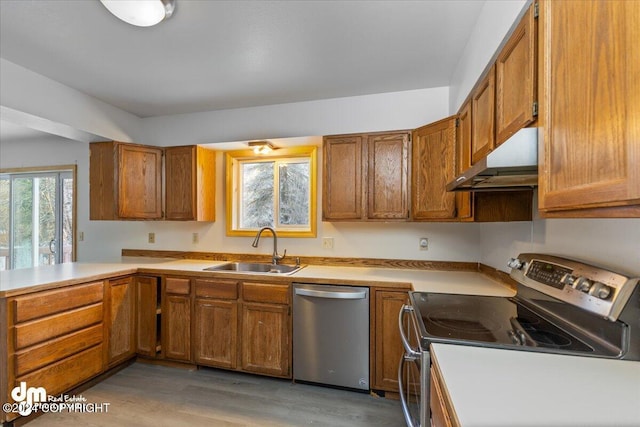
368 113
105 239
37 101
494 22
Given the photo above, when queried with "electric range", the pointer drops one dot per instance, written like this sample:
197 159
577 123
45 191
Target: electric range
561 306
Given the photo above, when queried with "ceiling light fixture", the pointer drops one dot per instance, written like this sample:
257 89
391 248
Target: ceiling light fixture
141 13
262 147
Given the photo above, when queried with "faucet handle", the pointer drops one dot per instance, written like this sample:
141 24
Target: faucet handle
277 257
297 261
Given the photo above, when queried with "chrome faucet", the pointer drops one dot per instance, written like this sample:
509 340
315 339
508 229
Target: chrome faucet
275 257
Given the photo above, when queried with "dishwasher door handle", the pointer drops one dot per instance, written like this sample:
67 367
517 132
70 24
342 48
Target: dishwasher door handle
331 294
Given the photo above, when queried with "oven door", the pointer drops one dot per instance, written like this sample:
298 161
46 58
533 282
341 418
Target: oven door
413 371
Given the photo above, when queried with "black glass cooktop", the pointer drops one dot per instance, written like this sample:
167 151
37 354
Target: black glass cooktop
488 321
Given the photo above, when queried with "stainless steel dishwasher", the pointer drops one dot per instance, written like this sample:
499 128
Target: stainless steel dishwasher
331 335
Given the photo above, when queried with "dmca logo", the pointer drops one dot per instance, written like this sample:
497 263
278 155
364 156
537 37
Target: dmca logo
27 397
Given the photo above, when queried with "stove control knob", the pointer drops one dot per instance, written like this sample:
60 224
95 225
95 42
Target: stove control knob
568 279
515 263
600 290
582 284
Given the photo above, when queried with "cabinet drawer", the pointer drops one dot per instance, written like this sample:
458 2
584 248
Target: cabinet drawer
41 304
219 289
54 350
265 292
175 285
36 331
67 373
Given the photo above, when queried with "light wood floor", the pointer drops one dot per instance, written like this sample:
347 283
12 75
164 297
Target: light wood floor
150 395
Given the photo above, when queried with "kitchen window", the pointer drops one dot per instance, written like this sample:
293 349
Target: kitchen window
276 190
37 217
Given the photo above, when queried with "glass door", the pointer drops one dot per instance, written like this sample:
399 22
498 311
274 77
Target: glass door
36 225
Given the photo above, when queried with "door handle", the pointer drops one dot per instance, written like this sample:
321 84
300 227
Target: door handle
52 247
330 294
405 342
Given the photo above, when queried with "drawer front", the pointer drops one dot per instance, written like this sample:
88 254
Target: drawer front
51 351
67 373
174 285
265 292
41 304
218 289
44 329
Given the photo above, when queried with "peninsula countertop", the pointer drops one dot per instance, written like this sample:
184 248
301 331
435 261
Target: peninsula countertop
496 387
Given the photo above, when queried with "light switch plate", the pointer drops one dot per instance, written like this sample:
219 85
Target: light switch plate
152 237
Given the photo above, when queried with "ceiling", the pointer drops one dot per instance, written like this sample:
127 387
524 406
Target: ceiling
214 55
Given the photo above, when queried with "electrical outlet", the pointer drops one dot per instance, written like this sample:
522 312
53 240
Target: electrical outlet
195 238
327 243
423 244
152 237
81 236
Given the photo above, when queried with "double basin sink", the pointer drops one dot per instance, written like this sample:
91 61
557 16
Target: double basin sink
255 268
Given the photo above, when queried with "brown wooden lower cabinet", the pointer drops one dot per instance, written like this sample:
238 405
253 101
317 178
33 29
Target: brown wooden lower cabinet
52 339
388 346
266 339
442 413
148 313
120 321
216 333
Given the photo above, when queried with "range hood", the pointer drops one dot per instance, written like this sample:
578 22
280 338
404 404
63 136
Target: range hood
511 166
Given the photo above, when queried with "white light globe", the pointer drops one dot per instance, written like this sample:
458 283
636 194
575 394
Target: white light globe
141 13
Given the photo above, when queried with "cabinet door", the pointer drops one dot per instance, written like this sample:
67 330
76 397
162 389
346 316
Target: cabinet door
180 182
266 339
342 178
591 131
121 327
148 309
176 331
388 346
388 173
433 168
463 160
516 80
190 183
483 117
139 182
216 333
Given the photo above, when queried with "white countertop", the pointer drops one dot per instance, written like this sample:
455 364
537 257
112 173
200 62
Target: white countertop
491 387
422 280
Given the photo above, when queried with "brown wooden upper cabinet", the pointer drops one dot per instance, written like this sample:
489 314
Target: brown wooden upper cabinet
125 181
463 159
366 176
342 177
483 117
190 183
516 79
591 115
433 157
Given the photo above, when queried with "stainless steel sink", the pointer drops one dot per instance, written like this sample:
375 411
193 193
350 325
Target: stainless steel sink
255 268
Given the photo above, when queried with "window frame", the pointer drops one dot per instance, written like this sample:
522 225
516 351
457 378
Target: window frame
232 184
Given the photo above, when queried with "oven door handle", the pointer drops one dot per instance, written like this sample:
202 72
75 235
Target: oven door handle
410 352
403 399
